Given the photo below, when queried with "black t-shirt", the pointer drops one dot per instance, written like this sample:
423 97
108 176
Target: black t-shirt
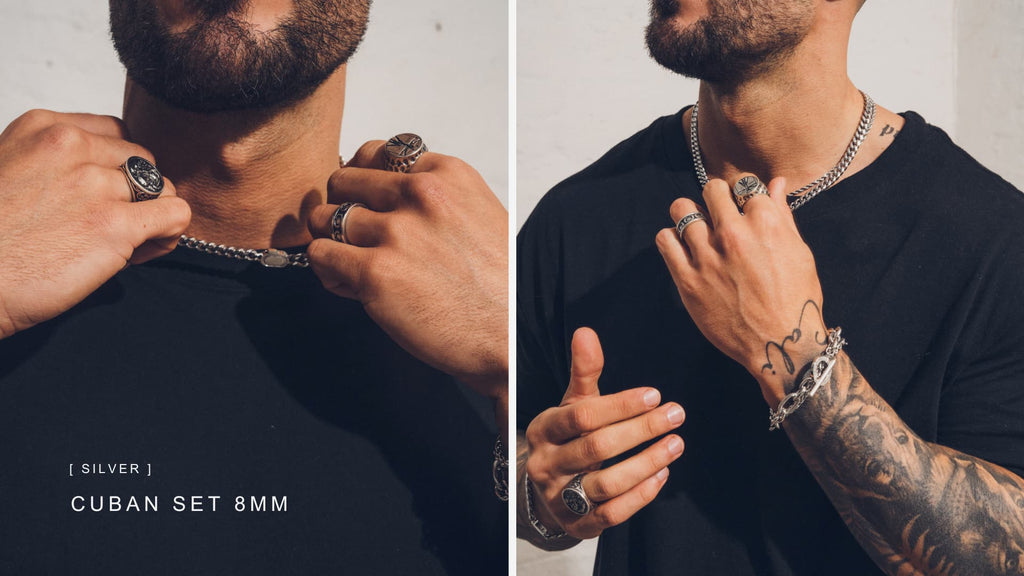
921 263
221 378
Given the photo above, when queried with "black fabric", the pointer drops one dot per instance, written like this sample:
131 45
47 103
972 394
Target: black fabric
921 262
230 379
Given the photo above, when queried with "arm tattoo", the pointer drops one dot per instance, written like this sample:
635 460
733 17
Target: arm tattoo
916 507
794 338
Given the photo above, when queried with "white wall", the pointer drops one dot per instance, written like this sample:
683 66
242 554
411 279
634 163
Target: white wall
585 83
438 68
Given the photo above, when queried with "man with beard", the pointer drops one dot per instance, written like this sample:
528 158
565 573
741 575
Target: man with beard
215 409
902 451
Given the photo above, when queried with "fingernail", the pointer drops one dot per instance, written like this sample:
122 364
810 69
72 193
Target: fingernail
675 415
652 397
675 446
662 474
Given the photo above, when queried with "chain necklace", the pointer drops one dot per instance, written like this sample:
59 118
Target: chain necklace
803 195
269 257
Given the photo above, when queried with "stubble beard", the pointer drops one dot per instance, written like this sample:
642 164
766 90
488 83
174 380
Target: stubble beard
222 63
732 43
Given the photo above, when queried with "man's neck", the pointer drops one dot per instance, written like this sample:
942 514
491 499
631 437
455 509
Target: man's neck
251 178
795 120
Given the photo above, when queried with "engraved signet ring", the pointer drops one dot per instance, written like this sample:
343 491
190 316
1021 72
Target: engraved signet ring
144 180
402 151
575 498
746 188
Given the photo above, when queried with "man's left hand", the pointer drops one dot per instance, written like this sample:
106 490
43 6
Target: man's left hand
428 259
749 282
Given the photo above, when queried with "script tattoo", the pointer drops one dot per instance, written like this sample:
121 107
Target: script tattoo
888 129
793 338
914 506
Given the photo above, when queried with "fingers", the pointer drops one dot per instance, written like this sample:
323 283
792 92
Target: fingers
611 482
112 151
106 126
622 508
363 227
165 217
370 155
614 439
589 414
587 364
695 237
378 189
339 266
721 207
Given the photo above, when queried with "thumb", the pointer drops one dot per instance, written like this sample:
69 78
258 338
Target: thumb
587 363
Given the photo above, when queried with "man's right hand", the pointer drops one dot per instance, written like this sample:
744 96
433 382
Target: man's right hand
68 220
585 430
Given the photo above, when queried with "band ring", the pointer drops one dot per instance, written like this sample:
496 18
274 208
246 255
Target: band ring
144 180
575 497
746 188
339 221
402 151
685 222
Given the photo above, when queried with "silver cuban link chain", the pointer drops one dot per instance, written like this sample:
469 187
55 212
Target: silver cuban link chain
819 372
803 195
268 257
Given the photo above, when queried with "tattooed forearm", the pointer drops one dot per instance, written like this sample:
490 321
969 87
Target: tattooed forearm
916 507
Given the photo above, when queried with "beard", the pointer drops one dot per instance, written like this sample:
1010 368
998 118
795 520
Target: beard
736 40
223 63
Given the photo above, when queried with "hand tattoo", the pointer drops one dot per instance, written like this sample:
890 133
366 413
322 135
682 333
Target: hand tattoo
820 337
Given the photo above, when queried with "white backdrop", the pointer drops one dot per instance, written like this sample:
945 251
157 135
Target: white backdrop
439 69
585 83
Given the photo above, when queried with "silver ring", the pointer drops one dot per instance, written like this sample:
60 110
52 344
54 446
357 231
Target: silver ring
685 221
746 188
339 222
144 180
575 498
402 151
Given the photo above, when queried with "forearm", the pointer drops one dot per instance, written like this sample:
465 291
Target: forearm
914 506
524 530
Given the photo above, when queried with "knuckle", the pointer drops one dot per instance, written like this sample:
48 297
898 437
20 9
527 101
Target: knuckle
581 417
62 138
35 118
318 250
179 213
604 487
596 448
608 516
427 187
537 470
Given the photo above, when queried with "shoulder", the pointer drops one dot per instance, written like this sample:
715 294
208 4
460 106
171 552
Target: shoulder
645 161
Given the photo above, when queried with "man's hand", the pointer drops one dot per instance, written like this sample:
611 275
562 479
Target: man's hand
428 259
585 430
68 220
744 278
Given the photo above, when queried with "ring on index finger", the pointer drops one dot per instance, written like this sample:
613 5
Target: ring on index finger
746 188
685 222
402 151
339 221
575 498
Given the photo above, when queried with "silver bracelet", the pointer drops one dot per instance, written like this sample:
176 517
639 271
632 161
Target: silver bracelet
499 470
545 533
817 374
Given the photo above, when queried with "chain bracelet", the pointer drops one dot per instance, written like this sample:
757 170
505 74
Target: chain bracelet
545 533
269 257
819 372
499 470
